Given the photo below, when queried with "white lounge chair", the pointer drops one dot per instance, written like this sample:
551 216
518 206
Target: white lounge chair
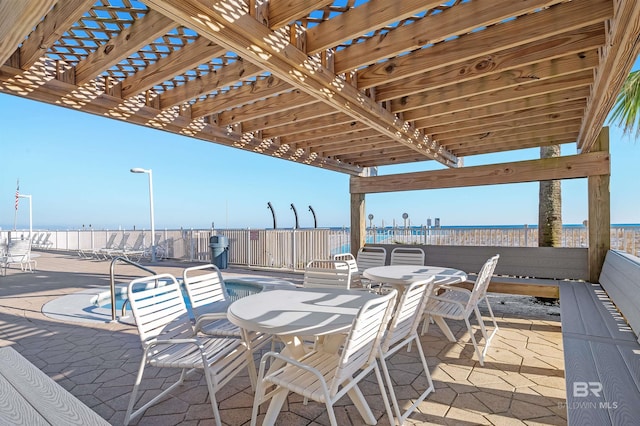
458 303
135 251
324 376
169 340
107 253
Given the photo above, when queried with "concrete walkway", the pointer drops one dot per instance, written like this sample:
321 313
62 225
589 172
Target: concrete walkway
522 381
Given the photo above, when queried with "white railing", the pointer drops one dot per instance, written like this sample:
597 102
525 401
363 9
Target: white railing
292 249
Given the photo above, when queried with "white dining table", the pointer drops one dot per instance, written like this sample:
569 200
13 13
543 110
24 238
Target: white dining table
400 276
291 314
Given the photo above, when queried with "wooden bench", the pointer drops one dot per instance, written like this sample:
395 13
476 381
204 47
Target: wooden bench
30 397
601 351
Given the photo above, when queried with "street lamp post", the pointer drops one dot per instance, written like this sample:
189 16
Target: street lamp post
153 229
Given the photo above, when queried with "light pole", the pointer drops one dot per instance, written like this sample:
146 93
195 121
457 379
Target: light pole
153 229
30 217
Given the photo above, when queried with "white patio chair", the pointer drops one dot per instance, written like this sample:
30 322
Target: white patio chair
168 340
18 253
327 273
352 265
458 303
403 331
209 301
369 257
326 377
407 256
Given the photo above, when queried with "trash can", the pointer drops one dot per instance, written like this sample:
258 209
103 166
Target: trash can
219 250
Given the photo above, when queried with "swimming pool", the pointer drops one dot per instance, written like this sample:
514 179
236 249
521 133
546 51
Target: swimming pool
236 289
94 304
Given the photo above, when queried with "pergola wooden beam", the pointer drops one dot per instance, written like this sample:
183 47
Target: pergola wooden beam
136 112
175 63
483 111
50 29
130 40
487 62
241 95
281 12
363 19
27 13
277 104
620 52
425 84
462 19
512 119
519 143
567 167
230 26
292 128
509 94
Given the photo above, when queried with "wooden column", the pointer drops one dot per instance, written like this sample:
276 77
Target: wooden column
599 213
358 224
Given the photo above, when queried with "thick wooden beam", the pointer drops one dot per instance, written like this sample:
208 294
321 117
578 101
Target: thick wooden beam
488 60
599 212
463 19
568 167
358 222
619 54
50 29
18 19
281 12
363 19
228 25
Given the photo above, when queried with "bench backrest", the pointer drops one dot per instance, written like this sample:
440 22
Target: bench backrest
620 278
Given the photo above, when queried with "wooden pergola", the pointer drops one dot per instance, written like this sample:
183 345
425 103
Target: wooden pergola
345 85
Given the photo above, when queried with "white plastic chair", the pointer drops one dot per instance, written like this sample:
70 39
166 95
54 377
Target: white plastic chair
209 301
352 266
369 257
327 273
403 331
458 303
18 253
407 256
326 377
169 340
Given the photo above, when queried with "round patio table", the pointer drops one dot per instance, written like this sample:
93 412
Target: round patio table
399 276
292 314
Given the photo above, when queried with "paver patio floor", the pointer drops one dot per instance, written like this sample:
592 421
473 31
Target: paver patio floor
522 381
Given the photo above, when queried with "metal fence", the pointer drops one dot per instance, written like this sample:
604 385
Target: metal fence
291 249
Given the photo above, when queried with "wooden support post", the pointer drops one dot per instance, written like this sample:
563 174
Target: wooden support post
358 224
599 213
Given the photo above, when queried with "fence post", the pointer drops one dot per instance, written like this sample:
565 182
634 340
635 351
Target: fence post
293 249
249 247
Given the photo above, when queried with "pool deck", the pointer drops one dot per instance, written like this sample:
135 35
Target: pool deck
522 381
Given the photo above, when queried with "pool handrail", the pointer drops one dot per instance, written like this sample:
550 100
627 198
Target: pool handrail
113 281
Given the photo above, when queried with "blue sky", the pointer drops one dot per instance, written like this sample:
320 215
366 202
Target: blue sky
76 167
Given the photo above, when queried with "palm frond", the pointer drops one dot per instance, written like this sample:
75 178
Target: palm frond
626 111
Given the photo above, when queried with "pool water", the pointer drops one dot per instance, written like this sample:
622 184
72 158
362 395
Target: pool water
236 289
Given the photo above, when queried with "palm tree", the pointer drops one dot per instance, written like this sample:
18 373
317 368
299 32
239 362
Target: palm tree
550 206
626 111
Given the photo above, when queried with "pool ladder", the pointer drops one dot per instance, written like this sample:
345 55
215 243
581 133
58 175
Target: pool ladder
113 284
